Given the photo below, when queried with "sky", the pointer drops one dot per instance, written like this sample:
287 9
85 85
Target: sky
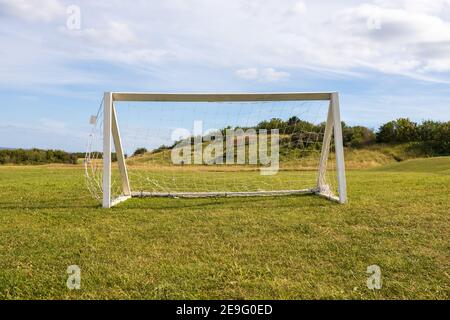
387 58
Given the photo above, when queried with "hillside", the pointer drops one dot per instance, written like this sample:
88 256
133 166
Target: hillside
300 145
356 158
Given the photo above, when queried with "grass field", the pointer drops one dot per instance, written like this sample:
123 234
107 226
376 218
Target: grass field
299 247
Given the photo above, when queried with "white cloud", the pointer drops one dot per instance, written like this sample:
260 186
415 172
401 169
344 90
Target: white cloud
116 42
110 33
412 38
270 74
248 74
264 75
32 10
419 6
300 7
51 124
405 41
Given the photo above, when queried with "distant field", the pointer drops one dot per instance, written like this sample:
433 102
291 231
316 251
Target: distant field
298 247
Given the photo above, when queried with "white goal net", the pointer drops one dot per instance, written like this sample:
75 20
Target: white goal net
213 148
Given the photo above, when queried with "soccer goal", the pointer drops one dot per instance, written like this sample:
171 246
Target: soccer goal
216 145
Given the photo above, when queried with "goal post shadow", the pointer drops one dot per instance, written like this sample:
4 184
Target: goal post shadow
111 135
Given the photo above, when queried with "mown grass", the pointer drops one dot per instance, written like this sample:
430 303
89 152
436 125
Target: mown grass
300 247
438 165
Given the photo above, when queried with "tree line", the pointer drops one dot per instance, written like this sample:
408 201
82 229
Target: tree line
433 137
36 156
39 156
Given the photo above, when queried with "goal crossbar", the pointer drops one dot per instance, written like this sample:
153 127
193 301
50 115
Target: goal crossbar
219 97
111 134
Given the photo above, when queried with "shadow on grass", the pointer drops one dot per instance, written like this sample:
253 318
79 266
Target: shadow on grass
174 203
237 202
46 205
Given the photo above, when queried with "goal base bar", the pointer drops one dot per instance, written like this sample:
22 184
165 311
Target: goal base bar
231 194
219 194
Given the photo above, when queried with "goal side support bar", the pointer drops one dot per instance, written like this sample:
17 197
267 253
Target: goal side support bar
111 134
107 125
333 125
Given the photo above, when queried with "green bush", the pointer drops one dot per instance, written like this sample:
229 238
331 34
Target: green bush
140 151
398 131
357 136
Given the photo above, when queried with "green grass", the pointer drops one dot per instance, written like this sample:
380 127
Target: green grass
299 247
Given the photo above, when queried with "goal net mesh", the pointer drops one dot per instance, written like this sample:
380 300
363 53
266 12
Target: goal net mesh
152 133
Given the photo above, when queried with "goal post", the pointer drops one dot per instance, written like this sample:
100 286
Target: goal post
330 138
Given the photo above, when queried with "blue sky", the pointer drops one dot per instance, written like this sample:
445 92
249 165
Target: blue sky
388 59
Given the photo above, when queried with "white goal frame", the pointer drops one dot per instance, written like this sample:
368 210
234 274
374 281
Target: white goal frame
111 134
